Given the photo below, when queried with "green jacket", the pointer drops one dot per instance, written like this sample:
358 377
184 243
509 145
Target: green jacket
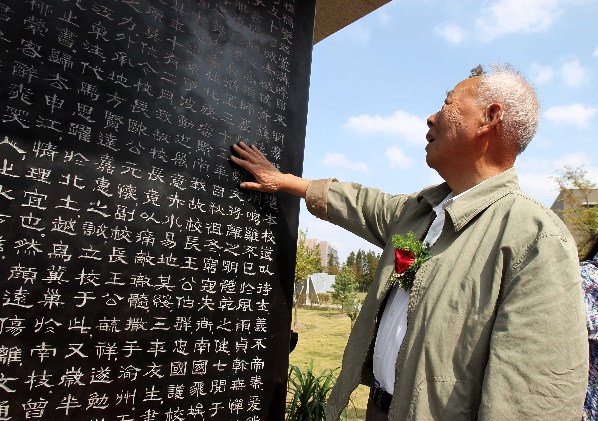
496 325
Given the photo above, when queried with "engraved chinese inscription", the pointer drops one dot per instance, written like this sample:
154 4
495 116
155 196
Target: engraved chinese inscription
138 281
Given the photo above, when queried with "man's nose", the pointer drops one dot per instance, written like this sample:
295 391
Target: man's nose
430 120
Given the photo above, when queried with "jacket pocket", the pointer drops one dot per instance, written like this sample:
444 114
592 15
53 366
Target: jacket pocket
444 398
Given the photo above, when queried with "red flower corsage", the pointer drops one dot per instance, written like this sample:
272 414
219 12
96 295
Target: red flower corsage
410 254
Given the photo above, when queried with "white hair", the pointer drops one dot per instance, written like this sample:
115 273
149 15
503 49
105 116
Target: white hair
506 86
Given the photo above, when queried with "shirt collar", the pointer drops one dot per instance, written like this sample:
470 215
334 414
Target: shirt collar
473 201
439 208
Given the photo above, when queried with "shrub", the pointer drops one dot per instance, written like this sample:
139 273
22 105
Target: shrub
325 298
353 311
300 299
308 393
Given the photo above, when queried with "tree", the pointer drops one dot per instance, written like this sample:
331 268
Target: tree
578 211
364 265
344 288
353 311
477 71
371 263
351 260
355 262
332 266
307 262
360 268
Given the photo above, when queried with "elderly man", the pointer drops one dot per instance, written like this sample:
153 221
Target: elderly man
492 327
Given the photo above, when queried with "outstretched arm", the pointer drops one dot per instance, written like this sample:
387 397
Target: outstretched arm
268 178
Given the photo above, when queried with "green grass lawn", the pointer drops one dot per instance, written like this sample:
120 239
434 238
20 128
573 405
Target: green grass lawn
323 335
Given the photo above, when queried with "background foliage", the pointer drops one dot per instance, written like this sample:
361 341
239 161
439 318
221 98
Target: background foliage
580 214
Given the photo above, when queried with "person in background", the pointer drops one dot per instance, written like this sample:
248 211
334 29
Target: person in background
492 326
589 284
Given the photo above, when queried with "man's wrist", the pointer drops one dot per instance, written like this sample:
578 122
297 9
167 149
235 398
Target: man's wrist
294 185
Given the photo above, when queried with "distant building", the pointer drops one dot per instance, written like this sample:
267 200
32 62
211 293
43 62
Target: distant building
316 284
326 250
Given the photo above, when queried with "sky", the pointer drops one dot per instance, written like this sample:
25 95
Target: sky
374 83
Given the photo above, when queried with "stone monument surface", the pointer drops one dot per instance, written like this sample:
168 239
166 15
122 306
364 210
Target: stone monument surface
138 282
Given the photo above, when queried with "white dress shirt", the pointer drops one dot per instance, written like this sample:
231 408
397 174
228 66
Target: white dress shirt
393 324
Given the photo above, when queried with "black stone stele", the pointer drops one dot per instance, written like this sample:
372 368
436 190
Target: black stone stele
138 282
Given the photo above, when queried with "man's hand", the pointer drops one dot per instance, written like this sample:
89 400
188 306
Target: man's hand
268 178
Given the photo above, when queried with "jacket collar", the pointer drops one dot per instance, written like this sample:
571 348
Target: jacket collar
472 202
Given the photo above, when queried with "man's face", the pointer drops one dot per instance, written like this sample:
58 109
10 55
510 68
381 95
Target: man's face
453 129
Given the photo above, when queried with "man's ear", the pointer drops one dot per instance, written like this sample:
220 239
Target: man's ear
494 115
